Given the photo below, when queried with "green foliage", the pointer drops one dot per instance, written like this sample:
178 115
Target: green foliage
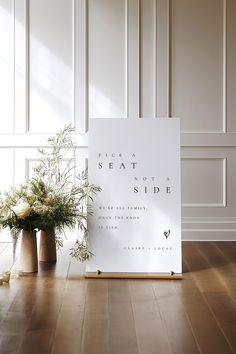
57 171
80 251
50 199
55 167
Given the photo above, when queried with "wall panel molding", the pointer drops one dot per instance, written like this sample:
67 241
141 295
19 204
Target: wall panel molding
51 65
7 64
147 58
162 58
196 220
205 187
198 52
208 235
230 61
37 140
224 79
21 66
80 48
132 58
209 228
107 34
198 139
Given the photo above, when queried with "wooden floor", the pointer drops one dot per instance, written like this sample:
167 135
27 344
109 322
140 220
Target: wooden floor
59 312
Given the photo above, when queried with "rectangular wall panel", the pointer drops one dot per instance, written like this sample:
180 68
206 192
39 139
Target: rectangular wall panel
133 60
6 65
231 65
208 184
147 57
197 74
51 85
197 191
107 58
162 58
80 66
21 103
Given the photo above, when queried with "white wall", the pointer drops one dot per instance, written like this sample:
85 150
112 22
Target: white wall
63 61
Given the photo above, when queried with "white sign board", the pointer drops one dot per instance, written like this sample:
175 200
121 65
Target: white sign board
136 226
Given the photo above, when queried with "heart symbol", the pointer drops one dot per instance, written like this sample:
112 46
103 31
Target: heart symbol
167 233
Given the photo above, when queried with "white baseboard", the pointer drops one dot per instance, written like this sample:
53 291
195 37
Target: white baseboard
208 235
209 229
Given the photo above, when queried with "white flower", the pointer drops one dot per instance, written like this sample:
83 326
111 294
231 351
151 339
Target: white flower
22 209
6 213
40 208
31 198
49 199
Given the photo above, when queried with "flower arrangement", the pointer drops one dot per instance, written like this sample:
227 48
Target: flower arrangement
19 209
50 199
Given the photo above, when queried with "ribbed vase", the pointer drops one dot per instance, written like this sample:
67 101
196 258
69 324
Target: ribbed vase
47 246
28 252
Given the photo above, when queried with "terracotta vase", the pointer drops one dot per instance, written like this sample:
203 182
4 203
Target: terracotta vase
28 252
47 247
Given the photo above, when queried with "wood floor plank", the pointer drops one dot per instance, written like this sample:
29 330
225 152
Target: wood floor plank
37 342
228 250
223 268
95 334
224 310
10 343
122 332
46 310
228 270
150 328
8 294
211 337
219 264
178 327
205 276
222 304
205 327
68 335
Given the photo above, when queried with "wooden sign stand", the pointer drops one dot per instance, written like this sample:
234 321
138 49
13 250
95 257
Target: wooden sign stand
105 275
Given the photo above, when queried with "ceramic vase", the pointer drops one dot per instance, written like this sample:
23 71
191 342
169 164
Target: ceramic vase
28 252
47 247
